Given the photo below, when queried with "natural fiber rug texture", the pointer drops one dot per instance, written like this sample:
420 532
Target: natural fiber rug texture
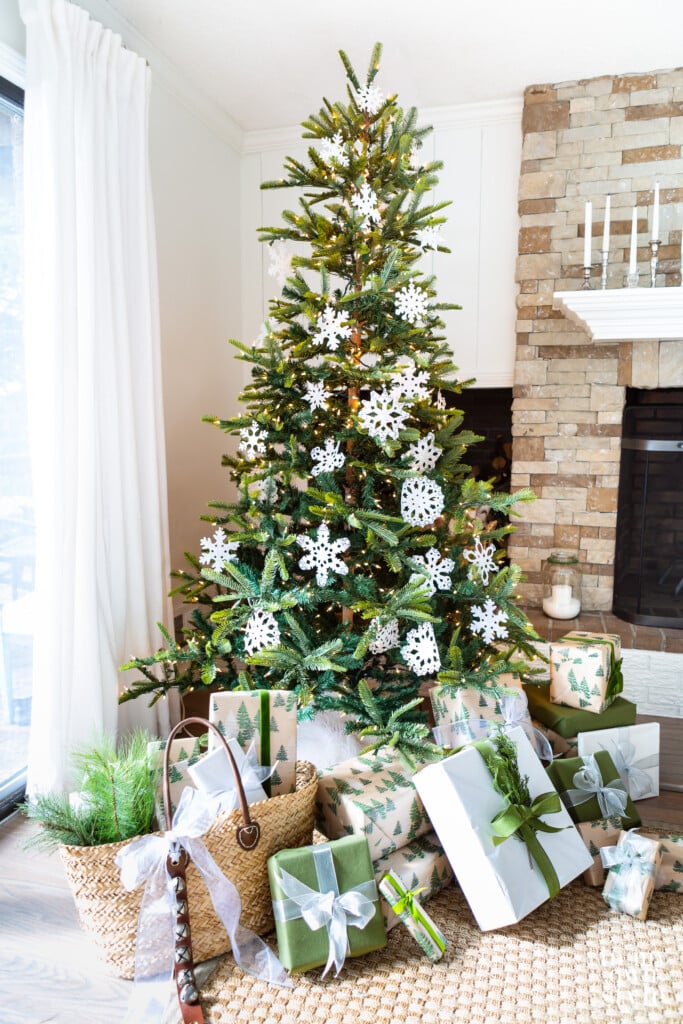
572 961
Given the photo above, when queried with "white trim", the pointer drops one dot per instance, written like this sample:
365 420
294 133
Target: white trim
625 314
12 65
492 380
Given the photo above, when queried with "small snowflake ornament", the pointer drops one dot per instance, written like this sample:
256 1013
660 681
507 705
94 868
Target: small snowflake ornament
386 637
261 631
488 621
383 415
411 303
328 458
316 395
436 569
252 441
333 150
424 454
412 383
323 554
365 203
369 99
331 328
440 401
482 560
218 550
279 261
429 237
422 501
420 651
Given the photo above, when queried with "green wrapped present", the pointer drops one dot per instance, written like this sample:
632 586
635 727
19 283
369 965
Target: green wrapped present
421 864
266 719
596 834
585 670
669 875
408 909
325 904
590 788
569 722
633 864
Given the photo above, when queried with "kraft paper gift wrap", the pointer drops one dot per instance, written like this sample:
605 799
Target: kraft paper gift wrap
420 865
596 834
585 670
669 875
514 712
266 718
184 753
325 903
454 703
635 752
406 907
590 788
500 880
569 722
371 795
630 881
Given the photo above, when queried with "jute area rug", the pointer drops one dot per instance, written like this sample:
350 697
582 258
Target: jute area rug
572 961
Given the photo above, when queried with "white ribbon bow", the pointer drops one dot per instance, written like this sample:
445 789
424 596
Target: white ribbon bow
637 781
612 796
514 709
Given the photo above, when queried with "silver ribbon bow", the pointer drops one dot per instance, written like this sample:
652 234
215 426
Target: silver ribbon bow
326 908
631 861
514 709
637 781
612 796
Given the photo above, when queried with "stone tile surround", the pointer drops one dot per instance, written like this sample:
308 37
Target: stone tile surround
584 140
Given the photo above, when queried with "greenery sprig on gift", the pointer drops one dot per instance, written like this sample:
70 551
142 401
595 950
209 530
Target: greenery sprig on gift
113 800
500 755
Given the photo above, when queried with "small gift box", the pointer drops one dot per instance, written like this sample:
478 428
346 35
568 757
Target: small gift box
596 834
635 752
213 775
325 903
585 670
183 753
502 878
266 718
371 795
457 703
669 875
590 788
632 865
569 722
405 904
421 864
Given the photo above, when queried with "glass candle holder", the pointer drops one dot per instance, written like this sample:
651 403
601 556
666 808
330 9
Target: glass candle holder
562 585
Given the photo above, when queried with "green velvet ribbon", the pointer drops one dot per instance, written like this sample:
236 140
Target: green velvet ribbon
615 682
264 733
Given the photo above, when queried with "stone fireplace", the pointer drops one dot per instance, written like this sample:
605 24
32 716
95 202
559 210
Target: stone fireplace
582 141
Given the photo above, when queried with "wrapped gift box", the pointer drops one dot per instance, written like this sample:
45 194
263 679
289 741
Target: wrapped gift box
596 834
588 799
184 753
669 875
585 670
633 865
501 882
213 775
407 908
569 722
371 795
560 746
332 870
455 703
421 864
635 752
267 719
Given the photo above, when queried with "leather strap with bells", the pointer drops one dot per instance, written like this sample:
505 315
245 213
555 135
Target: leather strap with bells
248 835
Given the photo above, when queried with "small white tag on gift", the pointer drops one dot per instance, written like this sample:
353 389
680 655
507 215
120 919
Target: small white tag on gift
213 775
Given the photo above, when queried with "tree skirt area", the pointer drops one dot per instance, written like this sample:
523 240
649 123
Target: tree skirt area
572 961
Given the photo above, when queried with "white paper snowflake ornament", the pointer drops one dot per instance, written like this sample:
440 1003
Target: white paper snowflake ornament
424 454
261 631
436 569
365 203
383 415
218 550
482 560
369 99
440 401
279 261
420 651
489 621
252 441
386 637
331 329
316 395
332 150
429 238
327 458
323 554
411 303
422 501
412 384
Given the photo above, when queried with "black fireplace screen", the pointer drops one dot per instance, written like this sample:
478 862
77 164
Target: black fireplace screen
648 561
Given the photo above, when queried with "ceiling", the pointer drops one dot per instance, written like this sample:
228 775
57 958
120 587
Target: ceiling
267 63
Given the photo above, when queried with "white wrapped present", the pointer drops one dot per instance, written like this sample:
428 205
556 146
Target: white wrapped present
635 752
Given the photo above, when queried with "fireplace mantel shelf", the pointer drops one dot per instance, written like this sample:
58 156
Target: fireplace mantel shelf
625 313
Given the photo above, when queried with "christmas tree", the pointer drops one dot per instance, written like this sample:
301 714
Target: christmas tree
352 566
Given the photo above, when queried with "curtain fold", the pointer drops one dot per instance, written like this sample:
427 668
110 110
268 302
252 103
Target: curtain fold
93 383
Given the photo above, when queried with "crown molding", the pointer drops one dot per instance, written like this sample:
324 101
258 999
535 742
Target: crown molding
625 314
12 65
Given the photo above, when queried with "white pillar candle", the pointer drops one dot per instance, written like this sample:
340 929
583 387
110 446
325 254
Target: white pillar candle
561 604
634 242
605 230
587 235
655 215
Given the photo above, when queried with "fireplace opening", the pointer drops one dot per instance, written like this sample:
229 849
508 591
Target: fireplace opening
648 560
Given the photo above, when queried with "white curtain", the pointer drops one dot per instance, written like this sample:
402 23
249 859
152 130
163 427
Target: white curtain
93 382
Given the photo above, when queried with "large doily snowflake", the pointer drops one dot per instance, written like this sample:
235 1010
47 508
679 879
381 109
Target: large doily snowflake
411 383
386 637
383 415
411 303
252 441
430 237
261 631
489 621
437 570
322 554
422 501
279 261
369 99
333 149
424 454
482 560
365 202
328 458
218 550
316 395
332 328
420 651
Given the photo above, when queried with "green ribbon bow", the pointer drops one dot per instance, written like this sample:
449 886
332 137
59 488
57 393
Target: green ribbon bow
408 903
615 681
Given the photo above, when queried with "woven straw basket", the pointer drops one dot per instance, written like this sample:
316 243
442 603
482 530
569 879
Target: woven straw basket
109 914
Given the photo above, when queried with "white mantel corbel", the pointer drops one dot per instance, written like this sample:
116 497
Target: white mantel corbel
625 313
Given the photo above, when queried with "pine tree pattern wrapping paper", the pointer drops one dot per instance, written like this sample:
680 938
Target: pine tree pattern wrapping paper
429 938
371 795
563 774
460 703
669 875
585 670
266 718
569 722
422 864
629 887
596 834
184 752
635 752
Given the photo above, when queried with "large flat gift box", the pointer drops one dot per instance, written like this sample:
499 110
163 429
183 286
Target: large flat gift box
585 670
635 752
421 864
569 722
266 719
591 788
501 882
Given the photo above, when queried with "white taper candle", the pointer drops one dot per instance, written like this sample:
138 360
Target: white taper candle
606 226
655 215
633 263
587 235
